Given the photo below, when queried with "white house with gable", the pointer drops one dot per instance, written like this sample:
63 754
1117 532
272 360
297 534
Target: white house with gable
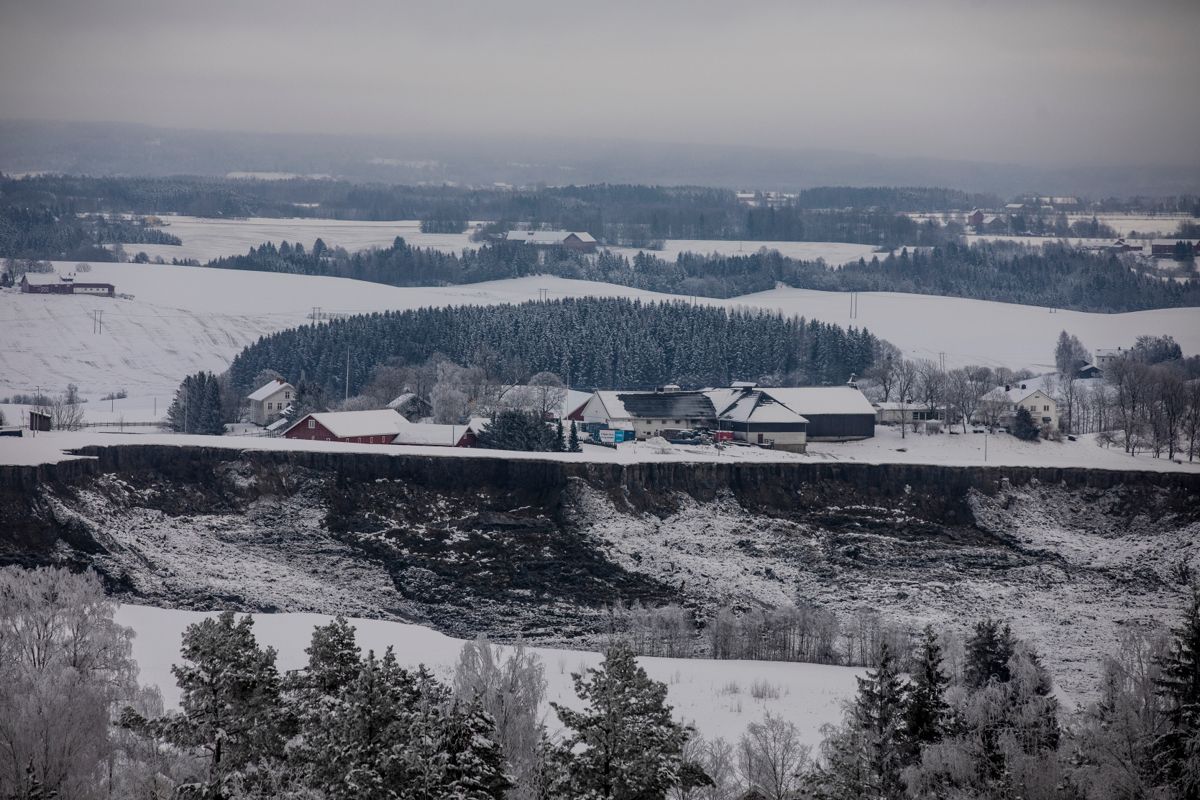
270 400
1000 405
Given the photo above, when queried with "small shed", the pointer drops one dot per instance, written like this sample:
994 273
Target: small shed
39 421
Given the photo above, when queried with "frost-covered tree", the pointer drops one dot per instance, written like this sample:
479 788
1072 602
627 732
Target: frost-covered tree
573 439
510 690
65 665
771 758
231 710
1070 355
988 651
624 745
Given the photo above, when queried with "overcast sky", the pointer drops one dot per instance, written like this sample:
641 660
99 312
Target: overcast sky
1084 81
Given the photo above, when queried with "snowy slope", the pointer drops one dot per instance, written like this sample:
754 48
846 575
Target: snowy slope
181 319
714 695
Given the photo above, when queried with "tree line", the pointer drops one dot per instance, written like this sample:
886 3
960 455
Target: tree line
52 233
590 342
76 725
1054 275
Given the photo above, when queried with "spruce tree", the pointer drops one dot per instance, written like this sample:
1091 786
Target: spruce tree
1023 426
230 704
927 710
624 745
988 651
560 442
879 715
1178 749
573 439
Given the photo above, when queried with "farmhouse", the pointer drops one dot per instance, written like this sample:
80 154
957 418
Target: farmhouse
648 413
1175 248
359 427
975 218
579 241
53 283
999 406
270 400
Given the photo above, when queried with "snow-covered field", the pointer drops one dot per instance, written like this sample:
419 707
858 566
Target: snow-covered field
834 253
713 695
205 239
183 319
886 448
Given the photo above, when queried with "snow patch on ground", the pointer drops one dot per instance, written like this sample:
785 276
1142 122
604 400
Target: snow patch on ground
701 691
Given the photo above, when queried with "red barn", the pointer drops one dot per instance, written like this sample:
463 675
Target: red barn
358 427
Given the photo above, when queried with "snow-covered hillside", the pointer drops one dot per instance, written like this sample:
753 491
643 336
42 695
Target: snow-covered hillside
716 696
181 319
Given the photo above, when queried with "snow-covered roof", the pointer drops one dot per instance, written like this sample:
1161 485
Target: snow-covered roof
431 434
810 400
343 424
758 407
401 401
613 406
1014 393
44 278
268 389
722 399
278 424
547 237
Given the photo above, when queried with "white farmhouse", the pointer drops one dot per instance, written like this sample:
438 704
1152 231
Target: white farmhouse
270 400
1003 402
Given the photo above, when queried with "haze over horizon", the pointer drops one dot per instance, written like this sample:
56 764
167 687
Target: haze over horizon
1073 84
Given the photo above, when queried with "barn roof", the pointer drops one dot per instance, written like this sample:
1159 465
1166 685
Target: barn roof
758 407
431 434
344 424
666 405
810 400
44 278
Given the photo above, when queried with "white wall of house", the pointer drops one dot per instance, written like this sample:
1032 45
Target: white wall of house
1041 407
263 412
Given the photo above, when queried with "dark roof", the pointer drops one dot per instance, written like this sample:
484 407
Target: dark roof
668 405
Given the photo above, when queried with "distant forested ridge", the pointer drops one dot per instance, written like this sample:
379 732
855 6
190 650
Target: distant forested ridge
1054 275
615 214
590 342
47 233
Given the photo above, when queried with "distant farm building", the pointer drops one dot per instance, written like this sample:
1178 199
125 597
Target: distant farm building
1008 399
411 406
53 283
786 418
357 427
270 400
578 241
1175 248
430 435
975 218
893 413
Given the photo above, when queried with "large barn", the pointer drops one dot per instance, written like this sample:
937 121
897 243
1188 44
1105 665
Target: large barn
834 413
359 427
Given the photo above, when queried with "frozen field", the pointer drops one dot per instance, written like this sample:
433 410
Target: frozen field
713 695
834 253
205 239
183 319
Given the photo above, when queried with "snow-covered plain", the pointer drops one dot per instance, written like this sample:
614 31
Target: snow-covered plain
715 696
834 253
183 319
205 239
886 448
